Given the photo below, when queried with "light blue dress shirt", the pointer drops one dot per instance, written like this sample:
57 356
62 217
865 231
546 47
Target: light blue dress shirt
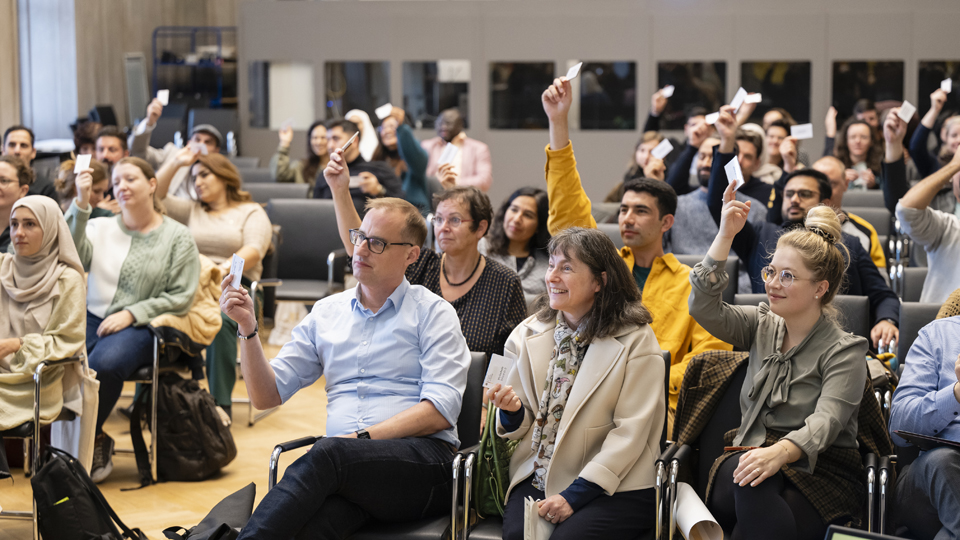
924 402
378 364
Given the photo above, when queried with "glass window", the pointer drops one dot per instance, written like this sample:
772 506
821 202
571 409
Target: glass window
608 95
782 84
515 90
356 85
280 92
432 87
932 73
696 84
852 81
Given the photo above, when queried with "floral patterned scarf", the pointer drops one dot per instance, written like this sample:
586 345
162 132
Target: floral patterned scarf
568 354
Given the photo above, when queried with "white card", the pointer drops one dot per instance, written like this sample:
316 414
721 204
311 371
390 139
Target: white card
801 131
384 111
738 99
164 97
712 118
946 85
573 72
82 163
198 148
668 90
355 181
906 111
734 173
497 371
287 124
449 152
662 150
753 98
236 270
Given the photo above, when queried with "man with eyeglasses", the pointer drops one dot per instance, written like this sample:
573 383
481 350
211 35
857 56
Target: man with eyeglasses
803 190
395 365
369 179
15 179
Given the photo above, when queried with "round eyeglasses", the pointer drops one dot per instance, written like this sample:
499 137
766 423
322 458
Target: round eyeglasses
786 277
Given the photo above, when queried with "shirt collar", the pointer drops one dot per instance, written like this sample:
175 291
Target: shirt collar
395 299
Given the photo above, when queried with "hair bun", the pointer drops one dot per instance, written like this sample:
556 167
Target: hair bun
824 222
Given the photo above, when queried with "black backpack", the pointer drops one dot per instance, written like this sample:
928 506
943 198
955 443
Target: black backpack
193 436
69 504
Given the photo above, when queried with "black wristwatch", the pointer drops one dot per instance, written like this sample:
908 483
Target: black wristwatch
243 337
362 434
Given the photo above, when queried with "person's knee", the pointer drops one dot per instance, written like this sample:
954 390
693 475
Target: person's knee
939 461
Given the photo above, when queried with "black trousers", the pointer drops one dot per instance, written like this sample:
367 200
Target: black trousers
626 515
341 484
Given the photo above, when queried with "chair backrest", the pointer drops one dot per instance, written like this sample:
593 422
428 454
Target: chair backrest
863 198
103 114
245 162
309 236
165 131
878 216
913 279
604 212
468 424
177 111
854 311
263 192
913 317
613 231
225 120
732 267
257 176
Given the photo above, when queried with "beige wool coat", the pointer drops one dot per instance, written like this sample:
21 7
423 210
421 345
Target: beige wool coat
613 421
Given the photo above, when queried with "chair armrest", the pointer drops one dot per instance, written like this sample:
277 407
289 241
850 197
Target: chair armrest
667 454
281 448
683 456
266 282
336 266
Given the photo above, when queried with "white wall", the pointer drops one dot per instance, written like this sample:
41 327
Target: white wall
819 31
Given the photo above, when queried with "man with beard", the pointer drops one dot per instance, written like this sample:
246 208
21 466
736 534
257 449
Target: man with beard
803 190
18 142
472 162
693 228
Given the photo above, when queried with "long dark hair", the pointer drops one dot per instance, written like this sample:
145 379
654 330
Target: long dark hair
618 305
842 151
497 239
314 162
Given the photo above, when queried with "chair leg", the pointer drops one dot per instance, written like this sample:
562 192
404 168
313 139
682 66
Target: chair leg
153 408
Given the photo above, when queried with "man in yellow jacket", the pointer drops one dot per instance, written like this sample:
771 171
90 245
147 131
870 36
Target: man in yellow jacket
646 213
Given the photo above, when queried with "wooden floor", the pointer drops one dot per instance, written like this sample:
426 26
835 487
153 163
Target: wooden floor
157 507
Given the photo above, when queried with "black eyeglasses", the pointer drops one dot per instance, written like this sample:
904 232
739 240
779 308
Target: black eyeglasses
373 244
804 194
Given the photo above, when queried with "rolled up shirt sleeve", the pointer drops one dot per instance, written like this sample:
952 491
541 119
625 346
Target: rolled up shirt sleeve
444 361
299 363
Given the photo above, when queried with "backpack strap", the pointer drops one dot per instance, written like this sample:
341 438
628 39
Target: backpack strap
139 446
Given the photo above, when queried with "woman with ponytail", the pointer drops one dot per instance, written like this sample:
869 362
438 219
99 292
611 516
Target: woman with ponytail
801 395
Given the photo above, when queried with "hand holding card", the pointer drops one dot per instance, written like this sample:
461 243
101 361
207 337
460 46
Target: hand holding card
383 111
497 371
668 91
738 100
236 270
82 163
734 173
802 131
907 111
163 96
946 85
449 152
573 72
662 150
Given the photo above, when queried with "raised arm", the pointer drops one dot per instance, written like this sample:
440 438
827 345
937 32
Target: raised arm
893 179
830 124
678 175
921 195
658 102
280 166
337 175
184 157
78 215
925 162
139 140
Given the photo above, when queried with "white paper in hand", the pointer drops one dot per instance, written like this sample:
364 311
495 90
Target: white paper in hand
534 526
198 148
753 98
82 164
946 85
906 111
236 270
497 371
573 72
662 150
712 118
738 99
449 152
384 111
668 91
163 96
355 181
734 173
801 131
287 124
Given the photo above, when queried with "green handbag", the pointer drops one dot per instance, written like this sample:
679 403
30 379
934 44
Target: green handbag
493 469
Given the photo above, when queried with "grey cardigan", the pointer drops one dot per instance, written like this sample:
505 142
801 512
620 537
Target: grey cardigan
812 391
531 275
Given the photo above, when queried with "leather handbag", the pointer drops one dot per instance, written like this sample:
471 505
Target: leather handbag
493 469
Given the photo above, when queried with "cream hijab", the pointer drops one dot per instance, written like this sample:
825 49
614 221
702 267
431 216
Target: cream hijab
30 283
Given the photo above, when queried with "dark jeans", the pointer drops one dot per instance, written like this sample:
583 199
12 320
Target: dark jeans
774 509
115 358
928 495
340 484
625 514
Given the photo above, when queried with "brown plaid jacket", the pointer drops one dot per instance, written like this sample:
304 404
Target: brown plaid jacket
836 489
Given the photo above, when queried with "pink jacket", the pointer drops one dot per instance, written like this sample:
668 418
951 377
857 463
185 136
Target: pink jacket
475 168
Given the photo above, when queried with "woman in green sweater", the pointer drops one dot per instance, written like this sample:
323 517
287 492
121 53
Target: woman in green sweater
141 264
403 152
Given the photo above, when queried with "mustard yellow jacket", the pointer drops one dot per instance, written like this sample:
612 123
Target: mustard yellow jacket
667 288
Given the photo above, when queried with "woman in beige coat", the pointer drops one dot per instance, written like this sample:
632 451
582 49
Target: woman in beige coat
585 398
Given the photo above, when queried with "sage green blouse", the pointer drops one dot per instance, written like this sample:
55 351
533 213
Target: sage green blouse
812 391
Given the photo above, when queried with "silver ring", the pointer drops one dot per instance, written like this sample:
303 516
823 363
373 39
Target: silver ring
550 516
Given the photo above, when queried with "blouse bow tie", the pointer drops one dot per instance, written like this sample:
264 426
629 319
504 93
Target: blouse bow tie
773 379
